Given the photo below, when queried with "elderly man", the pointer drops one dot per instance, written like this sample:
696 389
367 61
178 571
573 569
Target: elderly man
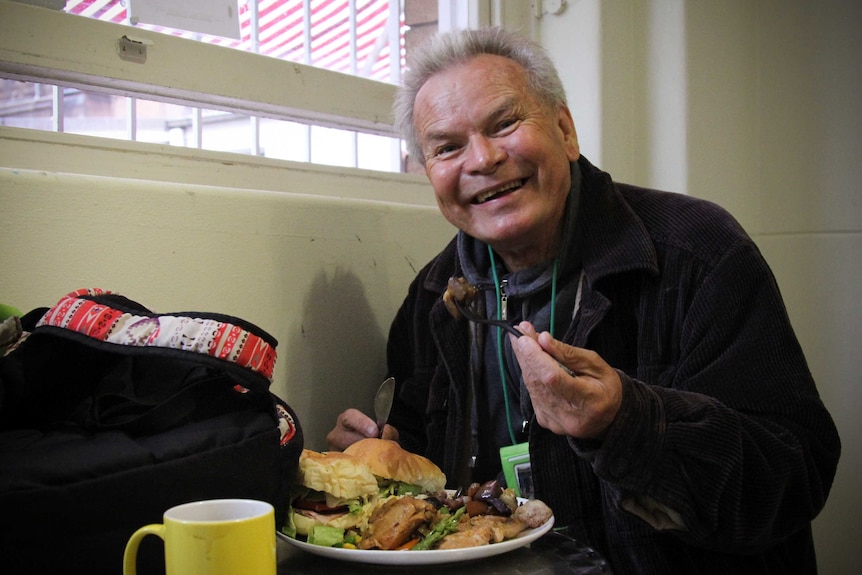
671 418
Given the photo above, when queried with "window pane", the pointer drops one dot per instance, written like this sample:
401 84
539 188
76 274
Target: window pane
162 123
95 114
284 140
280 29
333 147
108 10
330 37
26 105
224 132
378 153
348 36
374 53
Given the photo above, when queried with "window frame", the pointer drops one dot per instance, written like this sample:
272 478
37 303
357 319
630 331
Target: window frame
46 46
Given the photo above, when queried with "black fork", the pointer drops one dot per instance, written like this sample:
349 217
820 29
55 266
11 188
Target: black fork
476 318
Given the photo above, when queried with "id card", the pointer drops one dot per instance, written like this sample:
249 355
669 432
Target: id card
516 469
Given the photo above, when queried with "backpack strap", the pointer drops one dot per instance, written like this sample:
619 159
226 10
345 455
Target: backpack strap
98 316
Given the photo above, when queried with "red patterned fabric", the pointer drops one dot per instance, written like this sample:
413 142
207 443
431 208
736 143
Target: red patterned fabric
207 336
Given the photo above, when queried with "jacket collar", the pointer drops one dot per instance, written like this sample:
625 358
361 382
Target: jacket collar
614 239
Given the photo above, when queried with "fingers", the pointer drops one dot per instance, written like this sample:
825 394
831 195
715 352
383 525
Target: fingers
577 360
580 402
543 360
390 432
527 329
580 361
351 426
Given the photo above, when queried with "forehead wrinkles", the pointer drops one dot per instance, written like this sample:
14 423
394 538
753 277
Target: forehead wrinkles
473 92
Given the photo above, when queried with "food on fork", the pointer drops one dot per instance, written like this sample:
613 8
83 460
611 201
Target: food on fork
458 290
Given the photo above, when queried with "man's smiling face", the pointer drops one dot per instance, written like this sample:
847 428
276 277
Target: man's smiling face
498 159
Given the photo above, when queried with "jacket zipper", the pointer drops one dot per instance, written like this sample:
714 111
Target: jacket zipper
504 300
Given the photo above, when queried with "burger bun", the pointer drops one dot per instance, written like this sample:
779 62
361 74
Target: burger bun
388 460
337 474
340 478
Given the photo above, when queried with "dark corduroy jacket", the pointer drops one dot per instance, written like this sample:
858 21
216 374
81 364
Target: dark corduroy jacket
722 452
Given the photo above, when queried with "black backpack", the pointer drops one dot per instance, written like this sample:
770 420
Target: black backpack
110 414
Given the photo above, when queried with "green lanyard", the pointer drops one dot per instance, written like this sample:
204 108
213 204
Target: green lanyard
500 333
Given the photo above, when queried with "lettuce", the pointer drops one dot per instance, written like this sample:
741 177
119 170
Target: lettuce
398 488
289 527
326 536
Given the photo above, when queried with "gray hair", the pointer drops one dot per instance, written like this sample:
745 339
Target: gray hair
446 50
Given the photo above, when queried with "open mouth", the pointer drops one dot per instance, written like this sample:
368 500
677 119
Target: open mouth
497 192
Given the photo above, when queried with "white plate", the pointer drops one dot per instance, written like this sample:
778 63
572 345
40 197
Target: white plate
432 557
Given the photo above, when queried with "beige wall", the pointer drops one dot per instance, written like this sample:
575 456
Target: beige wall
756 106
178 229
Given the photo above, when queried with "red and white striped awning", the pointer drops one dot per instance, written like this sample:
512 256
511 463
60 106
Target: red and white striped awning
281 31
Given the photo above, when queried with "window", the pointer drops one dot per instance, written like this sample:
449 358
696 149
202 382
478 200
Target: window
359 37
364 38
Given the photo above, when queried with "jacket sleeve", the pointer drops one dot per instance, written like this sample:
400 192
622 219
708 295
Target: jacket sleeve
407 414
731 448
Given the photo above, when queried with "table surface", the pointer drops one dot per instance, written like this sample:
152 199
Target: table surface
553 554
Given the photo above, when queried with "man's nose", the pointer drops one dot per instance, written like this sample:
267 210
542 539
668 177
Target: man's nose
484 154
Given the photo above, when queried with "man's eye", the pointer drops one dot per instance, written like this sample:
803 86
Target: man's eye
445 150
507 125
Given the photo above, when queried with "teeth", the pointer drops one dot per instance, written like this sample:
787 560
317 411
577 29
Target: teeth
491 193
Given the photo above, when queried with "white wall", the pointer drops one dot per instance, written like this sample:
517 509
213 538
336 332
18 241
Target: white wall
756 106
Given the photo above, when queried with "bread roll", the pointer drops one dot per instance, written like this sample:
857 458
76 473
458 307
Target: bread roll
337 474
344 481
388 460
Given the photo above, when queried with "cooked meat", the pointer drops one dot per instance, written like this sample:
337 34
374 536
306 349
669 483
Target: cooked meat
482 530
394 522
501 528
533 513
470 537
458 290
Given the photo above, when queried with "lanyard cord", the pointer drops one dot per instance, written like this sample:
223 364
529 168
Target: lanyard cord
500 333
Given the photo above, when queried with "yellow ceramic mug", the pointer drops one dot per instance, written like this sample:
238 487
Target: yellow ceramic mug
215 537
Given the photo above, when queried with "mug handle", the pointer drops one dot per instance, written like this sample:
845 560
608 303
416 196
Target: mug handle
130 556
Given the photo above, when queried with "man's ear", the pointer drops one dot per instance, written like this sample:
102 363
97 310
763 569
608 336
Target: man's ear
570 134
